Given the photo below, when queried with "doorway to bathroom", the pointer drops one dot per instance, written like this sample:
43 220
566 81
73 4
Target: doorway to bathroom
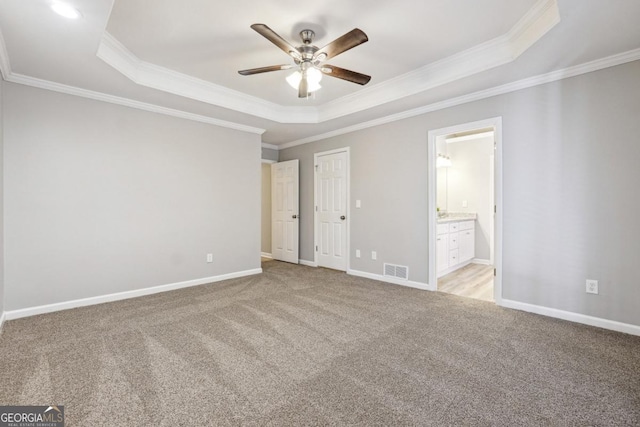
463 209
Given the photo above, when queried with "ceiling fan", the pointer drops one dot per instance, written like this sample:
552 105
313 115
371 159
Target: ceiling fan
310 59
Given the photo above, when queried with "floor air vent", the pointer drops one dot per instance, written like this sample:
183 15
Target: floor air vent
397 271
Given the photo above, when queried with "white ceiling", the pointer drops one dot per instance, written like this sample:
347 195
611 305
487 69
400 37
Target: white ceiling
184 56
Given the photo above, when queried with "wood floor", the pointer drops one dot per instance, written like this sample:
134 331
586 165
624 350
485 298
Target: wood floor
472 281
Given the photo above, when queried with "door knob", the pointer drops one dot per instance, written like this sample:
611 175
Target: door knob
343 217
294 216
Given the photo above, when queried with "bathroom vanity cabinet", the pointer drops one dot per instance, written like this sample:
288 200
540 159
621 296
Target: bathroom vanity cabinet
455 245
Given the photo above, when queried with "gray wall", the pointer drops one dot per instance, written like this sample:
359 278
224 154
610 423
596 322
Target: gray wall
266 209
102 199
1 197
269 154
571 152
389 176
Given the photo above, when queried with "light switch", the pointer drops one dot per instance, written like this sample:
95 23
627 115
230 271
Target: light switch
374 255
357 253
358 204
464 203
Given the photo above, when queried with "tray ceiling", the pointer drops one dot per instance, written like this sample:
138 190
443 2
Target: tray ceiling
181 58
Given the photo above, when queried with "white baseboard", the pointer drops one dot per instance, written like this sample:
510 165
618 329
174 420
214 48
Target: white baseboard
307 263
392 280
2 317
480 261
573 317
266 255
49 308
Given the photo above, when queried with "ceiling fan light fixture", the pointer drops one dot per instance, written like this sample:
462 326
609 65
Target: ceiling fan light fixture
312 79
314 76
294 79
309 59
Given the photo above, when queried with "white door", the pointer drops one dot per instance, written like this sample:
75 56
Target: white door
331 210
284 211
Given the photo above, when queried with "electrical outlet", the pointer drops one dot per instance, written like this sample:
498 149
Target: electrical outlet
464 204
209 257
374 255
358 204
357 253
592 286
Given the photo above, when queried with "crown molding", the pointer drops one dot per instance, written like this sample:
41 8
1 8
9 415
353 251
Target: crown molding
599 64
10 76
5 65
543 16
544 11
99 96
146 74
588 67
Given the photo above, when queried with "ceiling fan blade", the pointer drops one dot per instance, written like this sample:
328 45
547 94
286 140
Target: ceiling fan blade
350 40
303 88
265 69
274 38
348 75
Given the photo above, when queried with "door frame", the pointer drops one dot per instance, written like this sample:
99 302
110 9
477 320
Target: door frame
496 123
315 203
262 163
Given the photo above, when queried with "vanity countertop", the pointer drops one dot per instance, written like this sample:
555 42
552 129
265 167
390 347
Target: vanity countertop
455 216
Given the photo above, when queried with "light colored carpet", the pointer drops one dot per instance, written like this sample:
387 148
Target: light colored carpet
304 346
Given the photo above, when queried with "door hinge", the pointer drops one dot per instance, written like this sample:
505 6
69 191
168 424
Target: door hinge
316 248
316 209
495 209
316 166
494 272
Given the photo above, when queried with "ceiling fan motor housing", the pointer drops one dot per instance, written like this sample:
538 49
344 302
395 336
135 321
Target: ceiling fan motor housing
307 50
310 58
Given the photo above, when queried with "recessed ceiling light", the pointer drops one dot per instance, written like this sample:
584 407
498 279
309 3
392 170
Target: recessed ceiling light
68 11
